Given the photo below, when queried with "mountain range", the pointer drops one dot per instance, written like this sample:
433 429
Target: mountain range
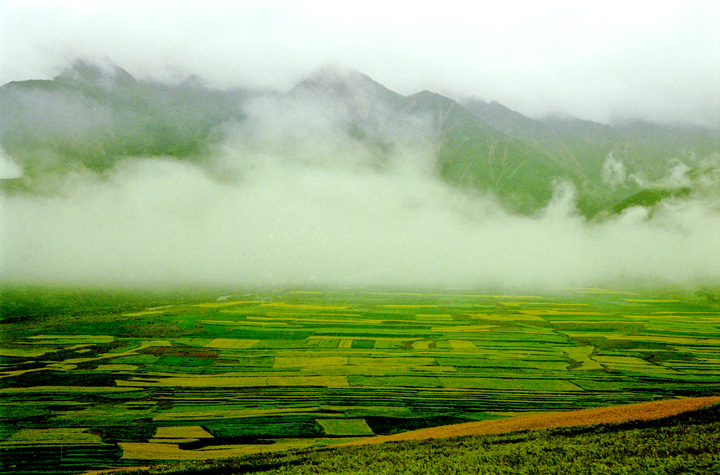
90 118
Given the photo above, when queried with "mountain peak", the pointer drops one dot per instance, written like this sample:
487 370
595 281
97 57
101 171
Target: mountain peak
425 100
340 82
95 73
333 74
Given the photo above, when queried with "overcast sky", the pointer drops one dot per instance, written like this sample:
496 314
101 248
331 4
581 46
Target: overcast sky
597 60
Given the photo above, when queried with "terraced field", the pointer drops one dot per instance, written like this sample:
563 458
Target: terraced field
278 370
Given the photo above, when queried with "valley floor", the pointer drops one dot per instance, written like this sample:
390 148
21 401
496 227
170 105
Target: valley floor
124 381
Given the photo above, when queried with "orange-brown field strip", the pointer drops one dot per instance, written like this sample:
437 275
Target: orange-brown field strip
584 417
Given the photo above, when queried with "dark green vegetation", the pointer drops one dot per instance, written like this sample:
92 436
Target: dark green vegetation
681 444
90 120
261 371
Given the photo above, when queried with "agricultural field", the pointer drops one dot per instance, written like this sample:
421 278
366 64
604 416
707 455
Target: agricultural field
268 371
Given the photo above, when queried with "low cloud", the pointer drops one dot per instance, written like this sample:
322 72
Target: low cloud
614 172
329 211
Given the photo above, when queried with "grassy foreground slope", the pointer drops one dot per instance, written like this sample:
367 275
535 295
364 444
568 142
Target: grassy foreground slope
685 443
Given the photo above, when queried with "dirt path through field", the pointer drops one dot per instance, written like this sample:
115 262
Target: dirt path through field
583 417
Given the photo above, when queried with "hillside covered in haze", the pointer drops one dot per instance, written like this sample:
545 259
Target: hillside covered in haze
91 118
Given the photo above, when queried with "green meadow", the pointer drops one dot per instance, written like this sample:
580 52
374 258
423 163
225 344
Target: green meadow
129 381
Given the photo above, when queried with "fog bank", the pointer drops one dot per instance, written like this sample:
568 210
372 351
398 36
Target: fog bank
275 219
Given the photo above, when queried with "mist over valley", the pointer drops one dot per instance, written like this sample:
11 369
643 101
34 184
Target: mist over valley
340 181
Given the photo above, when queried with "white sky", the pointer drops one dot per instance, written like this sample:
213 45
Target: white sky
597 60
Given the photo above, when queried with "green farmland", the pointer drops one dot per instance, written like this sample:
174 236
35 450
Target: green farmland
270 371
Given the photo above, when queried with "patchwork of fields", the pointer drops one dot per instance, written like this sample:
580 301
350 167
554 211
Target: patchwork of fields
272 371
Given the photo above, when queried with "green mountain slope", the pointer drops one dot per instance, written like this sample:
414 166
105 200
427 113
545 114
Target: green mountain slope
530 131
90 117
473 154
611 163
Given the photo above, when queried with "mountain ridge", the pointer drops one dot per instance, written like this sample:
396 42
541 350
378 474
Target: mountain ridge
92 116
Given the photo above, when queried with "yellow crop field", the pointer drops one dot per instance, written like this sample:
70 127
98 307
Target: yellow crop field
23 352
73 435
172 452
305 306
116 367
462 345
226 304
582 355
345 427
463 328
230 343
523 317
558 311
655 317
422 345
295 361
